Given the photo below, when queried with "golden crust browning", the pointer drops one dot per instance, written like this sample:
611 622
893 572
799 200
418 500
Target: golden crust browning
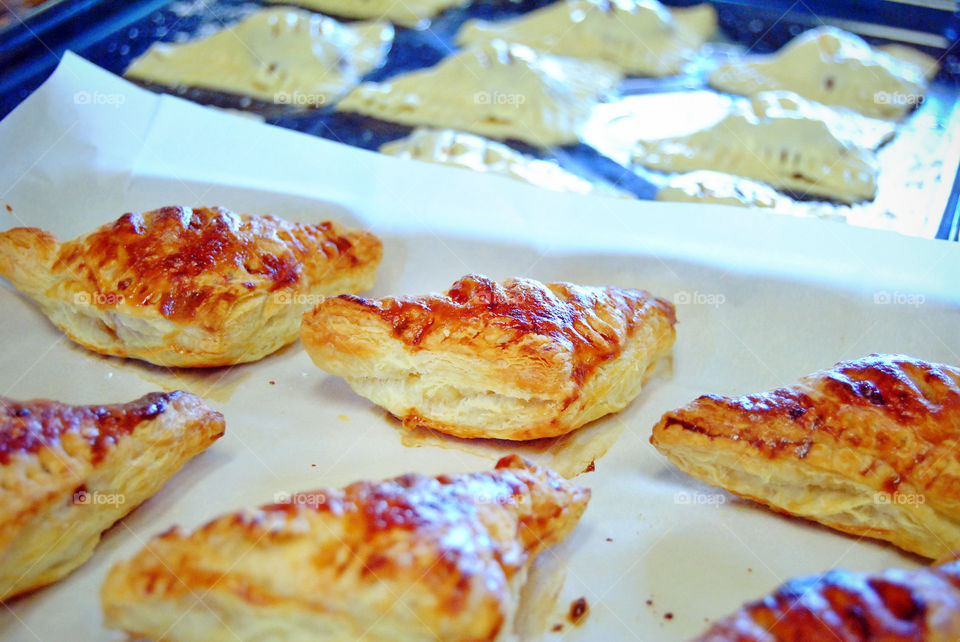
188 287
869 447
517 360
68 472
893 606
414 558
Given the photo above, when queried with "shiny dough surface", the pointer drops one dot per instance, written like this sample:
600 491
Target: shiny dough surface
773 140
893 606
407 13
275 55
868 447
833 67
500 90
412 558
513 360
460 149
188 287
639 37
67 473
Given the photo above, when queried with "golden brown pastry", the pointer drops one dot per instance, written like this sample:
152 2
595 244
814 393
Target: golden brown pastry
868 447
68 472
512 360
414 558
188 287
893 606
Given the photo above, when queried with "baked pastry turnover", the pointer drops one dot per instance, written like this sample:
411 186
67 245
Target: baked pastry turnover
188 287
868 447
413 558
639 37
893 606
284 56
498 90
459 149
833 67
70 472
773 141
408 13
513 360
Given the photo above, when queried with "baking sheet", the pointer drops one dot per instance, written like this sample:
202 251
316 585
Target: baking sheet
761 300
917 169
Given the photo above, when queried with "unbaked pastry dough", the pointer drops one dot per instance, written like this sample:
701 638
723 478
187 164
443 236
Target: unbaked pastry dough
188 287
705 186
517 360
459 149
868 447
895 605
929 65
406 13
416 558
283 56
69 472
833 67
724 189
767 141
640 37
498 90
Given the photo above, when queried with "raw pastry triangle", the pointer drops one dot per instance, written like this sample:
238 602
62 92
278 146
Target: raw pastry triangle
640 37
773 144
499 90
284 56
833 67
459 149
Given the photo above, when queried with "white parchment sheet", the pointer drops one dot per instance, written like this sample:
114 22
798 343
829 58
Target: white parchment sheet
761 301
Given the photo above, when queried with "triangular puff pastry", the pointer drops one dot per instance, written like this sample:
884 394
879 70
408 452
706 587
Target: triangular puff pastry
414 558
868 447
459 149
282 56
517 360
69 472
639 37
407 13
833 67
776 143
188 287
499 90
896 605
